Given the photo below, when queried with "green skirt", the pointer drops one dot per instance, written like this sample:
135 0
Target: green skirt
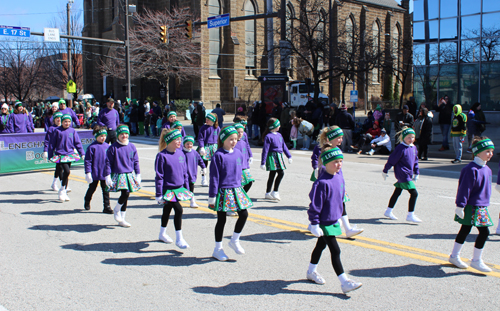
246 177
231 200
210 150
331 230
124 181
405 185
275 161
477 216
313 178
176 195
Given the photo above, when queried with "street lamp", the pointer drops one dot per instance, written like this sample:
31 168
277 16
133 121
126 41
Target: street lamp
128 9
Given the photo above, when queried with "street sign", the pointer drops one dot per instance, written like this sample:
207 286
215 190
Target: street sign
235 92
14 31
218 21
354 96
51 35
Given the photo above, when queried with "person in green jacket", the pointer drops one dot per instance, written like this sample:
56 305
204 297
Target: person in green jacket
458 132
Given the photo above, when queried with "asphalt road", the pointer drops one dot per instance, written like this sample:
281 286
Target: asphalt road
57 256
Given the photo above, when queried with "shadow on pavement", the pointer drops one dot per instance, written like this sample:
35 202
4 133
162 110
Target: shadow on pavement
387 221
434 271
264 287
54 212
282 237
440 236
76 228
187 216
278 207
125 247
174 260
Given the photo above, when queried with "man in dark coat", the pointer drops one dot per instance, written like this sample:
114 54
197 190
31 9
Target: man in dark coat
445 109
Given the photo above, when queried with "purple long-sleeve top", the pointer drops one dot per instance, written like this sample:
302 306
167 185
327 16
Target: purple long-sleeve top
274 142
108 118
171 171
4 118
70 111
66 140
315 156
474 186
208 135
167 126
18 123
244 147
245 138
95 160
48 122
193 160
48 145
327 195
225 171
405 161
122 159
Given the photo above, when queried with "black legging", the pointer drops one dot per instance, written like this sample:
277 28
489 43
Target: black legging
91 190
411 203
333 245
422 149
123 199
206 164
191 186
270 180
344 213
221 222
484 232
57 172
248 186
64 171
167 208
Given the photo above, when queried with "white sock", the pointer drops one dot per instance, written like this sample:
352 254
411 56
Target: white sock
123 214
218 245
236 236
345 222
478 253
343 278
268 193
312 268
389 209
55 180
410 214
457 248
178 235
163 230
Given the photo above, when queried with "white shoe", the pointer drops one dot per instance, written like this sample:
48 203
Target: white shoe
268 196
125 224
353 231
193 203
235 245
231 214
220 255
498 230
479 265
66 195
276 195
371 152
62 195
316 278
204 181
68 189
117 214
54 185
182 244
413 218
165 238
457 262
388 213
350 285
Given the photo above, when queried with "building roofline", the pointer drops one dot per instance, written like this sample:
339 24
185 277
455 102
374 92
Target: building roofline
368 2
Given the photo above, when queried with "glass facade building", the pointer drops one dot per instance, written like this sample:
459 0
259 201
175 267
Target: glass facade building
456 52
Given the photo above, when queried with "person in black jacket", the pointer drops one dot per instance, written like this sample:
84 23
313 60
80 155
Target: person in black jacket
345 121
140 118
134 117
403 119
198 118
445 109
256 120
425 133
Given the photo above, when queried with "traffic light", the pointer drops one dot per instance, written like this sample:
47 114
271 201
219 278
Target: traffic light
164 34
189 29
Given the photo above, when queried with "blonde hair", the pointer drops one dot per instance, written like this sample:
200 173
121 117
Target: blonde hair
324 148
322 139
162 144
399 135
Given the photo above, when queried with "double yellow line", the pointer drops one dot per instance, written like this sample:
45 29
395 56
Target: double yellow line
361 241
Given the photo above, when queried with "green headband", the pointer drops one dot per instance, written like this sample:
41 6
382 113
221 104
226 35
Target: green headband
122 129
57 115
331 135
239 126
175 124
188 139
171 113
211 117
65 117
226 132
482 145
276 124
18 104
331 155
101 132
170 137
244 122
407 131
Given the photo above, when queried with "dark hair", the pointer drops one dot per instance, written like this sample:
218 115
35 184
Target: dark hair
97 128
217 106
269 123
474 107
220 144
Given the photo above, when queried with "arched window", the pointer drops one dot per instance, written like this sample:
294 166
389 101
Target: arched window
349 29
396 47
376 50
214 9
250 51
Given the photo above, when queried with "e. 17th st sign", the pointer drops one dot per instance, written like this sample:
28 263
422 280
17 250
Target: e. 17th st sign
14 31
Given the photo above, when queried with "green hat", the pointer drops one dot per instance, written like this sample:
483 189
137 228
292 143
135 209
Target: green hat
62 101
239 126
331 135
57 115
482 145
407 131
175 124
101 132
171 113
188 139
330 155
244 122
65 117
226 132
212 117
276 124
18 104
170 137
122 129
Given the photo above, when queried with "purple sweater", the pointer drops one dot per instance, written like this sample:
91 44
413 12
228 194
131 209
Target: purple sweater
225 171
498 175
193 160
95 160
108 118
244 147
4 118
167 126
48 145
208 135
66 140
315 156
171 171
273 142
19 123
70 111
474 186
327 195
405 161
122 159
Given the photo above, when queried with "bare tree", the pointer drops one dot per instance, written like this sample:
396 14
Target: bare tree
426 71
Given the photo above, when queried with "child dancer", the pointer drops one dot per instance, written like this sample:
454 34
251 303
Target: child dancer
294 133
244 147
122 171
65 141
405 162
171 181
225 192
178 126
193 160
48 147
171 118
327 195
95 165
272 157
207 141
473 199
332 135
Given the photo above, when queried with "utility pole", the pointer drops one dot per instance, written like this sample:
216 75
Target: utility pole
127 52
70 65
